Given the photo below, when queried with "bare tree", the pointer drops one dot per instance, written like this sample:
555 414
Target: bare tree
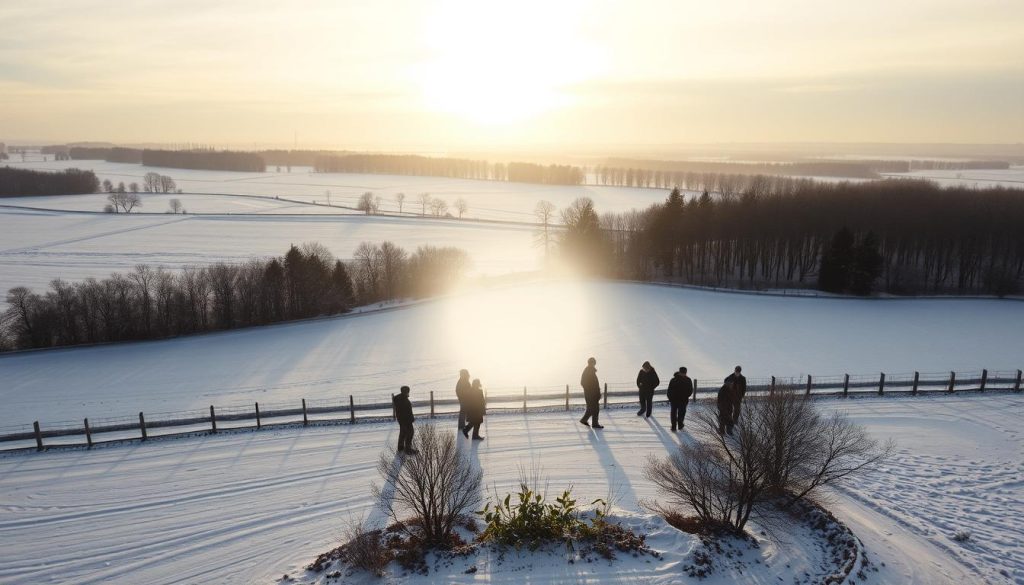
367 203
175 205
400 199
133 187
166 184
438 207
461 206
130 201
424 199
151 182
437 486
544 212
108 186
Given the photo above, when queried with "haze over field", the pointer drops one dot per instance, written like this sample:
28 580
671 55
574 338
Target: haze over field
443 75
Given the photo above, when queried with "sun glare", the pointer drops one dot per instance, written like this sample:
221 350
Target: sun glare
495 65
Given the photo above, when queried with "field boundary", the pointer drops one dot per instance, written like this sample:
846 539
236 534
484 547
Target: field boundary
37 437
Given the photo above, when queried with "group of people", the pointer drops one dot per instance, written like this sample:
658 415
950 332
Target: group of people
473 405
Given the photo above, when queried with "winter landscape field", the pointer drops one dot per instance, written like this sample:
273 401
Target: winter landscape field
544 293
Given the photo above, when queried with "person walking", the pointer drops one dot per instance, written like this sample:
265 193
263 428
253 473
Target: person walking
725 408
403 412
646 381
592 394
680 388
462 388
476 408
739 391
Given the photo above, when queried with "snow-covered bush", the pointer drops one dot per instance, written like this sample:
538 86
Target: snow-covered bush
437 487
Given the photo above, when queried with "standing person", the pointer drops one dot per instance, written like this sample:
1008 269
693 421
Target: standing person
591 393
476 408
739 391
462 388
646 381
403 412
725 400
680 388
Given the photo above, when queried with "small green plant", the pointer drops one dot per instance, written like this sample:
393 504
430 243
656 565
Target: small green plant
527 520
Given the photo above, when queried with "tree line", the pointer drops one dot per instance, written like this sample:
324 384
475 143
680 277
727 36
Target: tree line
896 236
688 174
154 303
412 164
15 182
214 160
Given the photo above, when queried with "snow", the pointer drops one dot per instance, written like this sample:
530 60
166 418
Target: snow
500 200
537 335
193 203
39 246
249 507
973 178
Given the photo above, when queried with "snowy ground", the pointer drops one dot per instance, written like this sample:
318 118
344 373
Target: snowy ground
537 335
487 199
973 178
38 246
251 506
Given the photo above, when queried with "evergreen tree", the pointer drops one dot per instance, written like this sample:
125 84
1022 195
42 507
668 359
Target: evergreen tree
866 266
834 273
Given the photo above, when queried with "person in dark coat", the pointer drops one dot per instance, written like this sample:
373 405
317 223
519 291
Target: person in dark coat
725 401
680 388
403 412
591 393
739 382
476 408
462 388
646 381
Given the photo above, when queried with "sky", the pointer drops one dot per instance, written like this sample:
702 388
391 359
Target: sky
457 74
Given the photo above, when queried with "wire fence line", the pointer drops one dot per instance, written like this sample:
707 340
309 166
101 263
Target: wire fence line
87 433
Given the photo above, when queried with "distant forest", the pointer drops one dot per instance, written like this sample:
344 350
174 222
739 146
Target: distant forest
411 164
153 303
15 182
894 236
687 174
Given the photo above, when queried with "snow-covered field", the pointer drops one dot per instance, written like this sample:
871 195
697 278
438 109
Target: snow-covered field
973 178
537 335
38 246
252 506
487 199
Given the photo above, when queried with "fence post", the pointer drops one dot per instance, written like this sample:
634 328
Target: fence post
394 408
305 418
984 379
808 392
606 394
952 381
771 390
142 426
846 385
881 384
567 397
524 399
1016 385
917 377
88 434
213 419
39 436
693 397
352 409
259 424
431 404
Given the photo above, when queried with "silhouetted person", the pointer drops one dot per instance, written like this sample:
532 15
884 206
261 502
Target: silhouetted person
591 393
403 412
739 391
462 388
646 381
725 406
680 388
476 408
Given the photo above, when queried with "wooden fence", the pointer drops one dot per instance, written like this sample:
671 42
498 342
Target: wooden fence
319 412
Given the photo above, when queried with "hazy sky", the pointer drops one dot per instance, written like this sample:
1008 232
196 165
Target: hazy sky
391 74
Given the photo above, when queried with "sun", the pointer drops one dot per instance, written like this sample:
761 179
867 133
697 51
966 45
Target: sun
498 64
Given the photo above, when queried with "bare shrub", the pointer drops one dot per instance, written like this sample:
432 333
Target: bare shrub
782 451
437 486
362 549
